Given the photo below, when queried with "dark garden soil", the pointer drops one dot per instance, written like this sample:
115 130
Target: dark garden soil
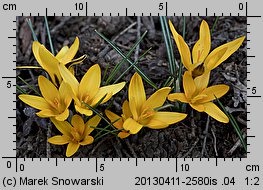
188 138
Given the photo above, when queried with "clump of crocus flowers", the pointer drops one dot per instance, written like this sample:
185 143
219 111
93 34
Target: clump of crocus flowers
62 93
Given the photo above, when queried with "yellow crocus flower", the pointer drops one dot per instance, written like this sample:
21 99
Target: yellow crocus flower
89 90
201 61
140 112
50 63
199 97
54 103
75 134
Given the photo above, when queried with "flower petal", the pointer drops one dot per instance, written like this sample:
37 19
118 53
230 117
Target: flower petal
87 140
126 109
133 109
90 83
63 51
34 101
69 78
189 85
58 140
220 54
212 110
202 47
157 99
63 126
201 81
182 47
63 116
48 90
110 90
136 91
71 52
214 92
198 107
84 111
94 121
177 96
165 118
65 93
50 64
72 148
118 123
123 135
47 113
78 123
132 126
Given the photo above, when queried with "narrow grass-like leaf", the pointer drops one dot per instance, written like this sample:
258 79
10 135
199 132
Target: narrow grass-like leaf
105 72
20 89
98 113
32 30
131 66
214 25
118 66
29 86
105 128
98 103
49 36
130 62
234 124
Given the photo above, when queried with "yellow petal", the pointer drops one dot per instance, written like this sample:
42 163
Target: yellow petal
157 99
220 54
202 47
63 126
212 110
63 116
90 83
65 93
177 96
110 90
72 148
92 122
123 135
71 52
201 81
118 123
167 118
87 140
182 48
46 113
58 140
214 92
50 64
132 126
34 101
136 91
69 78
198 107
189 85
126 109
62 53
133 109
84 111
78 123
48 90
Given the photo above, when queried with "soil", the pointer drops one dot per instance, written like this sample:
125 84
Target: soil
184 139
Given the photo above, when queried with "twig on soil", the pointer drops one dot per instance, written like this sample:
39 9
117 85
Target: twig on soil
117 148
48 136
138 37
134 155
236 145
214 136
106 49
205 132
98 145
191 149
61 24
